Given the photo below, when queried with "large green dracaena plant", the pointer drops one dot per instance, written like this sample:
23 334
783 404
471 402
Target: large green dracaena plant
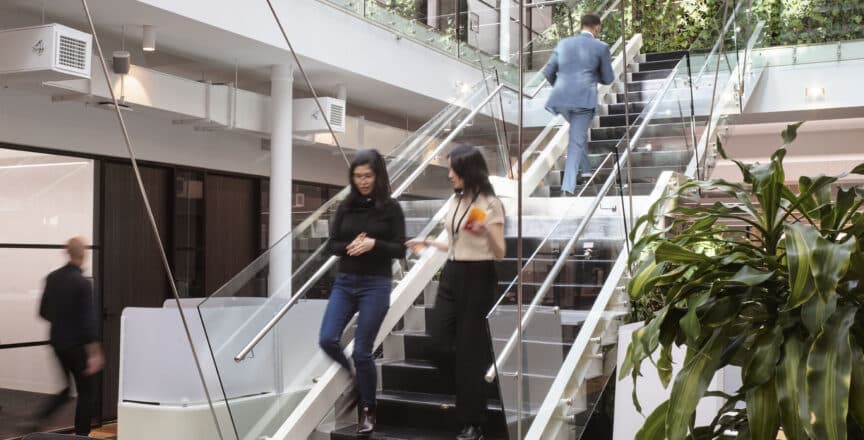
779 298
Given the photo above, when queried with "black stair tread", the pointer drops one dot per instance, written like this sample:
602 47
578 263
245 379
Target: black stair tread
659 65
651 74
383 432
663 56
646 85
635 108
424 399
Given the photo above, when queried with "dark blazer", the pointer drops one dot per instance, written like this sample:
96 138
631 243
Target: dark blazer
68 305
577 65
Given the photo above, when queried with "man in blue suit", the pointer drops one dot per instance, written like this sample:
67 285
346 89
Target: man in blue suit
577 65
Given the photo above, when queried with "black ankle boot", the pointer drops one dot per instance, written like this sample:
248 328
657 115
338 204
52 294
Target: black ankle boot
471 432
366 422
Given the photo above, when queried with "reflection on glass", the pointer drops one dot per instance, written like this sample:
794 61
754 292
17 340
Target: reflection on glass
45 198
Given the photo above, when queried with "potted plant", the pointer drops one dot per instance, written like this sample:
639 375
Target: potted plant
779 297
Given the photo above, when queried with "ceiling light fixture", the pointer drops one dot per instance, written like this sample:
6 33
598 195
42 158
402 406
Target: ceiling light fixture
148 43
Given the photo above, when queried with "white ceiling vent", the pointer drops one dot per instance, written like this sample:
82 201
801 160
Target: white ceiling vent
51 52
307 117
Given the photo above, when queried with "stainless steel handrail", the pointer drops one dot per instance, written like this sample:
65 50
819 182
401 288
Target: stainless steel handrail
565 253
332 260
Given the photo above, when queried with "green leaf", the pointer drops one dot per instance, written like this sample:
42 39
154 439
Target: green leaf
692 382
791 132
762 415
816 311
829 369
721 312
668 252
790 389
664 365
858 170
764 358
645 341
654 427
690 322
749 276
856 393
649 269
799 241
829 263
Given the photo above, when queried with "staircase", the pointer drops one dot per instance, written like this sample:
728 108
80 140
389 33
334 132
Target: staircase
415 402
666 144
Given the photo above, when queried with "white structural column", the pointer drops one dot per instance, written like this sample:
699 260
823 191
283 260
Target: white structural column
504 31
281 197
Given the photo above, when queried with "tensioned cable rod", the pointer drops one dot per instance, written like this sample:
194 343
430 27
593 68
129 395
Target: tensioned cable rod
150 217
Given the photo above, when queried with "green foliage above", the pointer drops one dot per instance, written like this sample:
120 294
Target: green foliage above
778 293
811 21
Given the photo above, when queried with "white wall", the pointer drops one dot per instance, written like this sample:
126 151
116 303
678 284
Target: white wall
33 120
781 88
333 37
829 147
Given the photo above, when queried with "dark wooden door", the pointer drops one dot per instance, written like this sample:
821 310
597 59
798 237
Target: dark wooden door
232 222
132 270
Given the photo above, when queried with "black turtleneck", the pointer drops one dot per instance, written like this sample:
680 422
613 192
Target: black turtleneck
385 224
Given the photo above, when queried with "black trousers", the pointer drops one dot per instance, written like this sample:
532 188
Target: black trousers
74 362
460 335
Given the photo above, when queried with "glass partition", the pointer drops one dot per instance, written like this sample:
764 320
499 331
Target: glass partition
292 279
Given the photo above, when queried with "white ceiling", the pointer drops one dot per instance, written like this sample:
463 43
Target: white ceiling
196 50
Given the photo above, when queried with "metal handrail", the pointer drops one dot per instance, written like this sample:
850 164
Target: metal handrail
332 260
491 373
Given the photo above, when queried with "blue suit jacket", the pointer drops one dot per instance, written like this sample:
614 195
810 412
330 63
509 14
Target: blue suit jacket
577 65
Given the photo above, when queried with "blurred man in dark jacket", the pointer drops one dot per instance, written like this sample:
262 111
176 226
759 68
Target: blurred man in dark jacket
68 304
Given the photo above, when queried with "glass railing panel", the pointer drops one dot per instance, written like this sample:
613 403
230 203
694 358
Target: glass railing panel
813 53
554 307
261 389
290 283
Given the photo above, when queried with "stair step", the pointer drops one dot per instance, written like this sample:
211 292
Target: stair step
431 411
618 109
657 144
644 86
420 377
664 56
663 128
636 96
659 65
639 189
398 432
652 74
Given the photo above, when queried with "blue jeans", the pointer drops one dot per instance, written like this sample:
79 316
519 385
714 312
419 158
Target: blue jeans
577 157
369 296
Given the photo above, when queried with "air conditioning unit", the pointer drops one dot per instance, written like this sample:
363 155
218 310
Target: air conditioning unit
50 52
308 118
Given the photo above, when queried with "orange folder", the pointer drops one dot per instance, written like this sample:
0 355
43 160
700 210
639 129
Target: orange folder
476 215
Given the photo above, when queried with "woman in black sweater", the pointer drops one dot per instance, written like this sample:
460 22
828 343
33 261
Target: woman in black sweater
368 232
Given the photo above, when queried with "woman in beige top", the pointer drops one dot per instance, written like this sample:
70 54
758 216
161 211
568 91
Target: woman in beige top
468 285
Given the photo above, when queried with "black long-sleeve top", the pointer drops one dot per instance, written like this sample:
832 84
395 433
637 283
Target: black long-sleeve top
386 225
67 304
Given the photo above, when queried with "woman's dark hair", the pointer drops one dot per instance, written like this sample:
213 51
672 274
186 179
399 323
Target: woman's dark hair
468 163
381 191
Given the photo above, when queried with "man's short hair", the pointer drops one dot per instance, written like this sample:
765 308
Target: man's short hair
590 20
